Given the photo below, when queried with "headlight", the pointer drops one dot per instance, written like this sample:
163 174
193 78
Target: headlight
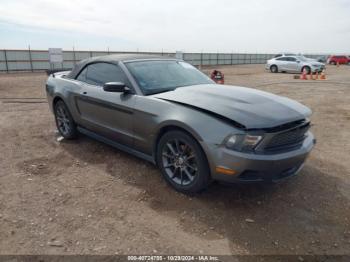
232 141
316 65
242 142
252 140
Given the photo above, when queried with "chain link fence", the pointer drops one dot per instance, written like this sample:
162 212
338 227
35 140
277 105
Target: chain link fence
38 60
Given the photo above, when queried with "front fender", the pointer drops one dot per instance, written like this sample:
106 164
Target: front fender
178 124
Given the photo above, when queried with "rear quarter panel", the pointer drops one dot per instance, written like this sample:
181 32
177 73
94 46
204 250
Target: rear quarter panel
65 89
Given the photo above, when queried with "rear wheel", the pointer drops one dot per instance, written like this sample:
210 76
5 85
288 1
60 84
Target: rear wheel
274 69
182 162
64 121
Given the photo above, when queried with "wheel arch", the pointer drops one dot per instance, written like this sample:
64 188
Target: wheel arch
174 126
59 97
273 66
306 66
56 99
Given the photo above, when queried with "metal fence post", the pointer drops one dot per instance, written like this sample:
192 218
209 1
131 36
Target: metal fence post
74 58
6 63
30 59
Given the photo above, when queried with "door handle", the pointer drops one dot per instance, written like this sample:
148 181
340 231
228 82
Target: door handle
84 93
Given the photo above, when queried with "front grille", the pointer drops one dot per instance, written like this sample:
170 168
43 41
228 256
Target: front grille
288 139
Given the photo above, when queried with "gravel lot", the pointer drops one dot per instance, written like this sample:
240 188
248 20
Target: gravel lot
84 197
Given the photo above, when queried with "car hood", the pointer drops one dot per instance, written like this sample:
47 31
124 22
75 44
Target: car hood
313 62
316 63
311 59
247 106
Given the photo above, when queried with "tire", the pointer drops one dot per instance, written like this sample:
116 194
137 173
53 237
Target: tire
308 69
274 69
182 162
64 121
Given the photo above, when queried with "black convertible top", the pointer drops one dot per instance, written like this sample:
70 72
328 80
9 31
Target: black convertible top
114 59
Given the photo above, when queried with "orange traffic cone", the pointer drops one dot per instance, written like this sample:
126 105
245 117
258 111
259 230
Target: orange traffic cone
311 78
323 75
303 75
316 78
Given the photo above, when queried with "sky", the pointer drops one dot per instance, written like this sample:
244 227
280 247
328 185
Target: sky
254 26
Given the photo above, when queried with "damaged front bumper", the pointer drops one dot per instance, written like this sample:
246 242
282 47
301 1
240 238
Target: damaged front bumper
253 168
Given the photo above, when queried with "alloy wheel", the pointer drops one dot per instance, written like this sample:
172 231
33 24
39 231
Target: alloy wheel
179 161
63 121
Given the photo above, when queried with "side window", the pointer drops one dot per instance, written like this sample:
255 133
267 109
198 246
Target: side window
101 73
82 75
282 59
292 59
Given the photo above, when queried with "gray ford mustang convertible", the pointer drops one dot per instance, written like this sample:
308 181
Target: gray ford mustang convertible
169 113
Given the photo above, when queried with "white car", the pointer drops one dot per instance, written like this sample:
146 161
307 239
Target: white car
293 64
291 54
284 54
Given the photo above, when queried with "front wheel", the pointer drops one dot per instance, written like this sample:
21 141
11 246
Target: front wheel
183 162
274 69
64 121
307 69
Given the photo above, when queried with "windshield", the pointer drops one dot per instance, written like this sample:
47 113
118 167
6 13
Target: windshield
165 75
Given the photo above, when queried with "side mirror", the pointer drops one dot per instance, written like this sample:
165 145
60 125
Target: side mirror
117 87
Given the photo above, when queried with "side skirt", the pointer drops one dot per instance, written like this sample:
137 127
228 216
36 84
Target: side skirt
117 145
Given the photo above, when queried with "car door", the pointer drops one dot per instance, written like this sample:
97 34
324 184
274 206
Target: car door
292 64
344 60
282 63
106 113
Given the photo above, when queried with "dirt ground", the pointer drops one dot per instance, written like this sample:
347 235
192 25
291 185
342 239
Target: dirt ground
84 197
